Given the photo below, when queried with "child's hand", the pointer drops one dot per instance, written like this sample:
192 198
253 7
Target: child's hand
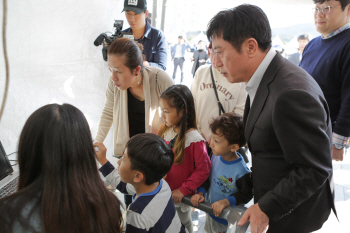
177 196
219 206
195 199
101 155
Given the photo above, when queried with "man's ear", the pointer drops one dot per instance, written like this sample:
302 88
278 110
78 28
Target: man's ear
138 177
251 47
146 14
234 147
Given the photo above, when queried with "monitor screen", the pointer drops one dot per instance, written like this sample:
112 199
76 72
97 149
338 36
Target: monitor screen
5 165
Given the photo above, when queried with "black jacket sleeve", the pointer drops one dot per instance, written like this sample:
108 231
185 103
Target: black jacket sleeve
245 187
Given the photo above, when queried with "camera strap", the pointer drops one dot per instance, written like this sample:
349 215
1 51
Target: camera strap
221 108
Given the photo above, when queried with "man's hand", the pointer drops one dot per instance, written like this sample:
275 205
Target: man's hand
195 199
219 206
337 155
145 63
259 222
101 155
177 196
192 59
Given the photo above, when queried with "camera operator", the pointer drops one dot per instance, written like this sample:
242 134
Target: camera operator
153 40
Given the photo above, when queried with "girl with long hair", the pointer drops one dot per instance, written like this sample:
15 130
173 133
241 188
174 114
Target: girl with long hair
59 190
191 166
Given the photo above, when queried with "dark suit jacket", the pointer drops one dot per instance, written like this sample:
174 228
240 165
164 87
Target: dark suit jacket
198 56
295 58
288 131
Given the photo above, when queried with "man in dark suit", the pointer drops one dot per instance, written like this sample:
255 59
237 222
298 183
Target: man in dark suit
287 127
199 58
302 41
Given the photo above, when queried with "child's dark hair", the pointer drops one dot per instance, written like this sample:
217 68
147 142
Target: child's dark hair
230 126
149 154
180 97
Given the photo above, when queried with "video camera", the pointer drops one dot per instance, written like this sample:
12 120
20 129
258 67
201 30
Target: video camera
104 39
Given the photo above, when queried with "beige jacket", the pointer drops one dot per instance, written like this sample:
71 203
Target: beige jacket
115 111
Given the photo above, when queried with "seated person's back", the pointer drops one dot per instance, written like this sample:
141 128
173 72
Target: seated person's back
59 186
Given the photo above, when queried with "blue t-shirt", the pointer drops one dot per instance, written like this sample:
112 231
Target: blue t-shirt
223 181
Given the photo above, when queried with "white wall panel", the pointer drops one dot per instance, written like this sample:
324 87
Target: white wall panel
52 59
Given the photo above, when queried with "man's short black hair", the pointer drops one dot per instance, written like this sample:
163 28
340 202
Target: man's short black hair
240 23
304 37
149 154
343 3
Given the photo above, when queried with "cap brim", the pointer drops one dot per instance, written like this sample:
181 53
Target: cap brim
134 9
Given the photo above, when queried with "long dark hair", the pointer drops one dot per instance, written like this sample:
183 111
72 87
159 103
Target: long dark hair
59 177
180 97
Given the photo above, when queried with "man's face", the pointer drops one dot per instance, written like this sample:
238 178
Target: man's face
232 64
336 18
201 45
136 21
179 40
302 44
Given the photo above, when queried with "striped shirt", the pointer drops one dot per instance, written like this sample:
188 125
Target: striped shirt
154 212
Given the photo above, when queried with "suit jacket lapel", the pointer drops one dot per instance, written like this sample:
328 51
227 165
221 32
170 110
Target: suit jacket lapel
246 110
261 95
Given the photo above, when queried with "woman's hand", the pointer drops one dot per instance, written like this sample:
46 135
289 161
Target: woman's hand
195 199
101 155
177 196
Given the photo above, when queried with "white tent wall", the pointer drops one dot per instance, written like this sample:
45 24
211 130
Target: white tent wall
53 60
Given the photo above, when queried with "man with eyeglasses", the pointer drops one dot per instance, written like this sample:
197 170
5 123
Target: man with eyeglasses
327 60
155 47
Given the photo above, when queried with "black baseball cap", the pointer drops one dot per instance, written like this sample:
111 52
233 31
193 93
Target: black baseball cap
137 6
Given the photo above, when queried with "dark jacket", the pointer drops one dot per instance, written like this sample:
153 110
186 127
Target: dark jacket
155 46
288 131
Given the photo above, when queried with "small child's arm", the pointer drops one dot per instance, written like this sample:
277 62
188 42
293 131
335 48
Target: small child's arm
110 172
201 191
113 178
243 196
245 193
197 198
202 169
219 206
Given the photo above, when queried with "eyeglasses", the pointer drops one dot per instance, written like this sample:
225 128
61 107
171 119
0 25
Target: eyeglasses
211 51
324 10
